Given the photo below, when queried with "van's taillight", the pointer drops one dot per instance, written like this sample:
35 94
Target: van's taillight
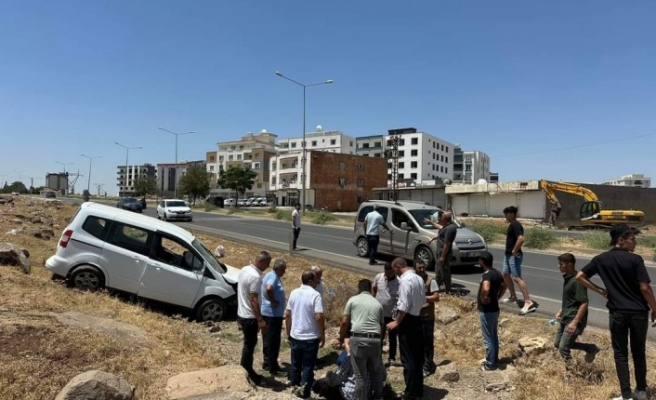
65 238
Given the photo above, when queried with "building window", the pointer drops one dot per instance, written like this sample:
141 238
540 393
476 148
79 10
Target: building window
211 167
377 144
446 159
361 167
401 165
351 143
441 168
365 155
341 182
256 165
446 148
314 143
401 153
389 165
360 182
333 142
389 177
400 176
342 165
446 170
238 157
413 176
211 158
365 145
442 158
293 145
413 164
230 157
434 145
259 185
433 167
220 158
377 155
442 147
415 140
402 142
413 153
257 156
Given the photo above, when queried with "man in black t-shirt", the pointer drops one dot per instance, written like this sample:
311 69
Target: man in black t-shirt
630 298
491 288
512 262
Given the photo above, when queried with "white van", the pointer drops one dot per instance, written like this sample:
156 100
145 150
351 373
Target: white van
108 247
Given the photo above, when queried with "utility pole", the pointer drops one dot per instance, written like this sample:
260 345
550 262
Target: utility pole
392 154
175 179
99 187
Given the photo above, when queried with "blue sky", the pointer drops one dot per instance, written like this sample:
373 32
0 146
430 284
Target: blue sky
515 79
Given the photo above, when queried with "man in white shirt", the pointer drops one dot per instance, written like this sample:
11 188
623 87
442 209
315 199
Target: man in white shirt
411 299
318 271
249 317
306 332
386 291
296 223
372 223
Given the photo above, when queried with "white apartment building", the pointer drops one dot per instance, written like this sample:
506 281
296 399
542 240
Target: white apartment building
331 141
127 175
634 180
370 146
470 166
238 152
169 175
422 157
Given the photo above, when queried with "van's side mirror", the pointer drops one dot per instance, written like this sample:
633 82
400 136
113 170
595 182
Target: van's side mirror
404 226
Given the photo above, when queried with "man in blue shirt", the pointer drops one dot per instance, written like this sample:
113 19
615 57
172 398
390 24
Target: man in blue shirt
273 311
372 224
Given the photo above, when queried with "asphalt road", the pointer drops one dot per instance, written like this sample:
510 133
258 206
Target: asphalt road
334 245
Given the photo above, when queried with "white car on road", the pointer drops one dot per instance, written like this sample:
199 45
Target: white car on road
174 210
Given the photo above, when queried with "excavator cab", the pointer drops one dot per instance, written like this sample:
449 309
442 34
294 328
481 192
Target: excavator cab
589 209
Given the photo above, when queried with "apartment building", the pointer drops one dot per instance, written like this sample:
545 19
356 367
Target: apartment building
633 180
423 158
127 175
470 166
169 175
329 141
251 151
335 181
370 146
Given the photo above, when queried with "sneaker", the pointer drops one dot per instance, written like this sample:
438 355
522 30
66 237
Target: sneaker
526 310
300 393
590 356
510 300
256 380
640 395
485 367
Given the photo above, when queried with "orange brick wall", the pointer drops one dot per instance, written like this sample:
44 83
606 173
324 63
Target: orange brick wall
325 173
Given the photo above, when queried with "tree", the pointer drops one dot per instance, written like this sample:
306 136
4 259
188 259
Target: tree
144 185
195 183
237 178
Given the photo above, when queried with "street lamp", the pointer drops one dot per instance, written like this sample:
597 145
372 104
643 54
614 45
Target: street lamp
304 156
127 154
175 183
65 176
89 178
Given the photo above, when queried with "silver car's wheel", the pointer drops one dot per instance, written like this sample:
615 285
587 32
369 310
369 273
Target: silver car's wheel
87 278
214 309
426 255
363 247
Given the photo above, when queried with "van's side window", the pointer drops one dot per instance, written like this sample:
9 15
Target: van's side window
96 227
399 217
383 211
131 238
176 253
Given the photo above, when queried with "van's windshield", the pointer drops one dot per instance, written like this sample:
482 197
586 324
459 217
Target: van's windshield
207 255
427 213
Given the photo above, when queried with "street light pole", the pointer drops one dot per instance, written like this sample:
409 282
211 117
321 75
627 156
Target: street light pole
175 183
127 154
89 178
65 176
304 155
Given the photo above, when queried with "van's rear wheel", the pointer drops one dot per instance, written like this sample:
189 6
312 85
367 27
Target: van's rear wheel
213 309
87 279
362 247
426 255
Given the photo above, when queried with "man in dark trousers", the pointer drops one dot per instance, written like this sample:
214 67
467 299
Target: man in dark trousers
273 311
372 223
573 313
296 224
445 238
630 299
491 288
427 316
411 339
386 291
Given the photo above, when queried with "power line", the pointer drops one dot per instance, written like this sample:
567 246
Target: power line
576 147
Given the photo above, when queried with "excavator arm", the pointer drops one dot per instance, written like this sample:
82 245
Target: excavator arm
550 188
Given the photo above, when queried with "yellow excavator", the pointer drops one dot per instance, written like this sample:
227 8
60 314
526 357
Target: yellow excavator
593 216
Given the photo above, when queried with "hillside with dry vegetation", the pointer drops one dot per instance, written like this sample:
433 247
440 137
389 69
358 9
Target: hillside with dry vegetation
49 333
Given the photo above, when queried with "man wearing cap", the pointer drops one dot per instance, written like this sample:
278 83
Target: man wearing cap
372 223
630 299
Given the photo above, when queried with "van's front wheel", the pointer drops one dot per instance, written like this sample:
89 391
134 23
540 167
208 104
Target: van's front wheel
214 309
426 255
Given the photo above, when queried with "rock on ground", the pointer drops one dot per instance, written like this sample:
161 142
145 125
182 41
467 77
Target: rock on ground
446 315
116 329
533 345
11 254
223 383
97 385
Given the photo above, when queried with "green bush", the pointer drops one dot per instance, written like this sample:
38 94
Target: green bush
321 217
272 210
597 240
489 232
209 207
653 254
284 215
538 238
647 241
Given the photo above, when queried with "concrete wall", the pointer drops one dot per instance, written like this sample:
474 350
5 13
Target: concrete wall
531 203
433 196
612 197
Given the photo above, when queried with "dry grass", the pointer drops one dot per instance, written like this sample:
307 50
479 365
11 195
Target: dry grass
39 355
